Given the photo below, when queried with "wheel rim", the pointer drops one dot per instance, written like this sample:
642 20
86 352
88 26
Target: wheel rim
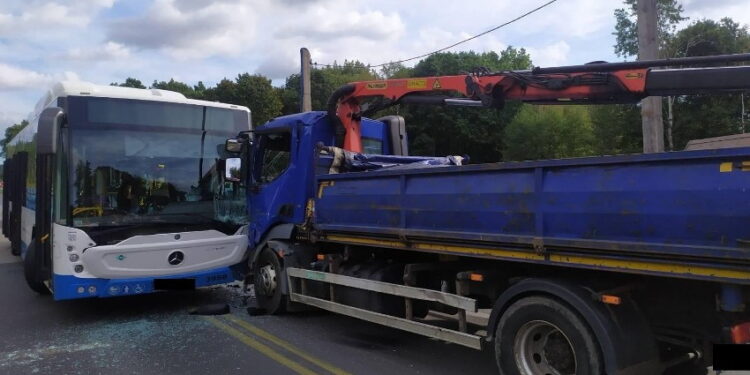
267 280
540 348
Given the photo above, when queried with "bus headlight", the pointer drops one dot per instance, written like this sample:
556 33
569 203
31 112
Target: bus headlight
73 257
78 268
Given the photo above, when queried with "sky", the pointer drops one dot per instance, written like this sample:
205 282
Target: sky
103 41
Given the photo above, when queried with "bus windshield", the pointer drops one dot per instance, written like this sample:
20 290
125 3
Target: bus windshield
143 162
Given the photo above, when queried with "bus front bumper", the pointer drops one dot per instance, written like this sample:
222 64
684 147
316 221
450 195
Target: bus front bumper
72 287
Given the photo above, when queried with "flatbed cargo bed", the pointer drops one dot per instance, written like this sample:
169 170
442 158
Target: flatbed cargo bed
681 214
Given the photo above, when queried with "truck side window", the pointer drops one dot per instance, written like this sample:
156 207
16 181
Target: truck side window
276 155
372 145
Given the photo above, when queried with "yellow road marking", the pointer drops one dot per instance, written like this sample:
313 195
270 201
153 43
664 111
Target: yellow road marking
289 347
260 347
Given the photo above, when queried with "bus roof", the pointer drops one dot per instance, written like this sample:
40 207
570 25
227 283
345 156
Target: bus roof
80 88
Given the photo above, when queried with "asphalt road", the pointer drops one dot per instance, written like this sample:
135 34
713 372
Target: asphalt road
154 334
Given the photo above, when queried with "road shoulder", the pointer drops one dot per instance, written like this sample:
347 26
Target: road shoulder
5 255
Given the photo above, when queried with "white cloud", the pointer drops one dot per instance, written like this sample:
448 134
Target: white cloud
550 55
15 78
738 10
319 24
48 19
280 64
219 28
107 51
8 118
569 19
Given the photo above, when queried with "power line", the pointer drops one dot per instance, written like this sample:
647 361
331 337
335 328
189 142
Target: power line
459 42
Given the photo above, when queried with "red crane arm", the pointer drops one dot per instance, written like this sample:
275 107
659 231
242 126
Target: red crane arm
590 84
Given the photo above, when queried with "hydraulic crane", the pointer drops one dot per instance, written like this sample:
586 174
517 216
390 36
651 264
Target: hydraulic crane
594 83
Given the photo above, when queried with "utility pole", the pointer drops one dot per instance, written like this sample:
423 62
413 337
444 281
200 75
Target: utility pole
648 49
305 100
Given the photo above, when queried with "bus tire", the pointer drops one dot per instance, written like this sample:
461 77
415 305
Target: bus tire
540 335
31 272
267 273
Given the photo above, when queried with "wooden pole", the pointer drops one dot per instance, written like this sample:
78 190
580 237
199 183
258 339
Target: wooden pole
305 102
648 49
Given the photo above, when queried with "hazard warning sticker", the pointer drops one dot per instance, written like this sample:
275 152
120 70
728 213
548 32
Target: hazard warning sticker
377 86
436 85
633 75
416 84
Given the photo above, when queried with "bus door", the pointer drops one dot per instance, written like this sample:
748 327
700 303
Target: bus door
5 220
17 198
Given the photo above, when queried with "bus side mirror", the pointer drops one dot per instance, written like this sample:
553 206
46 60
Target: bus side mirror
233 169
233 145
235 164
50 121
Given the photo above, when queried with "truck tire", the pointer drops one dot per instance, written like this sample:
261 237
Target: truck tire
31 272
267 273
541 336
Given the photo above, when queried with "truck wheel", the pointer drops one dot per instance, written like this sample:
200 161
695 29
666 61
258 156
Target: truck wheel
31 272
267 274
540 336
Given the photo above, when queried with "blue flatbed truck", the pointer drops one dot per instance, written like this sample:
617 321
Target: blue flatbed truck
631 264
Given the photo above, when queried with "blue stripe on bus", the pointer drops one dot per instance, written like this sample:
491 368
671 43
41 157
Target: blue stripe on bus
72 287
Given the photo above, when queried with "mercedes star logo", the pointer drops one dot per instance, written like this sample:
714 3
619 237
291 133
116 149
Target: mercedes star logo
175 258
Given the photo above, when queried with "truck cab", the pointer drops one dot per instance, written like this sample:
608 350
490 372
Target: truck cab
278 176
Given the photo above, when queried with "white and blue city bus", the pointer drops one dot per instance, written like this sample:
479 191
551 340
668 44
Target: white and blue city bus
113 191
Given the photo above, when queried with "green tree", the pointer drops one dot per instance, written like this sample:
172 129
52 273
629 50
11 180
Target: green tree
708 37
669 14
323 82
177 86
11 132
549 132
130 82
617 129
252 91
199 90
446 63
711 115
462 130
395 70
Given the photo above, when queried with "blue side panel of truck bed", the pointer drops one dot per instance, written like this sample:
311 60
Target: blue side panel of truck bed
693 204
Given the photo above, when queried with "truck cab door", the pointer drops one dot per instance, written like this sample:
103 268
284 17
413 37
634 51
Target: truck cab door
274 184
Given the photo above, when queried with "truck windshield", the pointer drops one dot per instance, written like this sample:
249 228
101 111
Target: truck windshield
140 162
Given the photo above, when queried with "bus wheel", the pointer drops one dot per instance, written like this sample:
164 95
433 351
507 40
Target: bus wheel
541 336
267 274
31 271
